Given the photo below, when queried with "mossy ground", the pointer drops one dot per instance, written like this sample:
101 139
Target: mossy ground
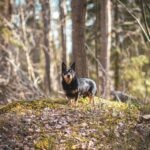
52 124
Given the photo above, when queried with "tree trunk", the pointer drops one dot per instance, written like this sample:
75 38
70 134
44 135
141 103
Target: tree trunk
117 48
7 9
36 36
46 30
62 6
97 45
78 37
105 44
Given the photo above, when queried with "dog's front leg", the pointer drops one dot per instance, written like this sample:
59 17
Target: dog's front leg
70 102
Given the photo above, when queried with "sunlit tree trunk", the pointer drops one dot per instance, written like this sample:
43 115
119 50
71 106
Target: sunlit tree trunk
78 37
62 9
46 30
5 13
105 44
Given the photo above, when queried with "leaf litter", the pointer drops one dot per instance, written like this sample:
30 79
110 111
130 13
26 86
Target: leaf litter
46 124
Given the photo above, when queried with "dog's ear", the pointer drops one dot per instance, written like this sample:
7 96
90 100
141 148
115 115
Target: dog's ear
63 66
73 66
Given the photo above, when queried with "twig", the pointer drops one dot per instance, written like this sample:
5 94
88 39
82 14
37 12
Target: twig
99 63
138 21
146 3
144 17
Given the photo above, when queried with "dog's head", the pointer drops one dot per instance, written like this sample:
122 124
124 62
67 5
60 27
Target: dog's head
68 74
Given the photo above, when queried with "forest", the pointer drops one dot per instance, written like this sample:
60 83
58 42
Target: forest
109 42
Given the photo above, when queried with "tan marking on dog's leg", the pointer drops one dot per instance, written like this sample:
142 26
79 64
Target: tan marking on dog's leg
69 102
91 100
76 103
73 103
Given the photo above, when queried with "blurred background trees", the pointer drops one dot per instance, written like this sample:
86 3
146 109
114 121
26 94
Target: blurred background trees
109 40
78 36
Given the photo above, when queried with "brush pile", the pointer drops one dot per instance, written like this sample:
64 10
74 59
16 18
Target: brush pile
14 82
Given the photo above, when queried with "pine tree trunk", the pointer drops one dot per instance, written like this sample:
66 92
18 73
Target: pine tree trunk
97 45
105 45
36 49
7 9
116 72
78 37
62 6
46 30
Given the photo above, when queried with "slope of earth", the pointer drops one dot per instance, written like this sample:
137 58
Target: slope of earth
52 124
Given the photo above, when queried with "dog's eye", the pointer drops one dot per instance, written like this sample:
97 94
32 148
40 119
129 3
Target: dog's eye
70 71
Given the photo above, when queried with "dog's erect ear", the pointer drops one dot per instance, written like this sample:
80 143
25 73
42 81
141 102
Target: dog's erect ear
73 66
63 66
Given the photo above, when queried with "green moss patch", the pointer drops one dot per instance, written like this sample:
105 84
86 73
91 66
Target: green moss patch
52 124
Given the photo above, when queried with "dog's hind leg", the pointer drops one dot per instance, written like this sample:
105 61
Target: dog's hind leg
91 100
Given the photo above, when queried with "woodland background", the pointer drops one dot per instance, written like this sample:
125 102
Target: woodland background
110 42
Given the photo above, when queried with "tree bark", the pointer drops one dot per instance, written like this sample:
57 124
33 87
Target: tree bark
78 37
62 6
35 52
46 30
105 45
117 48
7 9
97 45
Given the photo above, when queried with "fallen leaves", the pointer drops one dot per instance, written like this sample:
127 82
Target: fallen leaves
52 125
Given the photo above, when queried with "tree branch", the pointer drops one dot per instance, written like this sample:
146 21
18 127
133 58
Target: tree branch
144 17
138 21
146 3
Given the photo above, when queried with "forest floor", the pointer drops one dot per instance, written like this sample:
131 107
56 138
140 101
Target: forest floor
53 125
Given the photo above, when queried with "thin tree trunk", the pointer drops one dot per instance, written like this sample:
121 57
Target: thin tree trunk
46 30
62 8
78 37
97 45
105 44
7 9
26 42
117 48
36 36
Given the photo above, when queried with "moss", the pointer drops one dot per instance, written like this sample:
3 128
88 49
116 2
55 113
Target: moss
97 123
47 143
23 106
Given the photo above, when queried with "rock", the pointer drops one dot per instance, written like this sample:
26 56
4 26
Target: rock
146 117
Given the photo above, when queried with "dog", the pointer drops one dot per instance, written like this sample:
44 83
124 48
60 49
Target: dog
75 87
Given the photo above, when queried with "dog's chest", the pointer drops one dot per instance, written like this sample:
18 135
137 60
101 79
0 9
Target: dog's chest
71 89
72 93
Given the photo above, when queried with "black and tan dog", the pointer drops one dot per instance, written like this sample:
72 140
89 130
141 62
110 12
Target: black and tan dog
75 87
